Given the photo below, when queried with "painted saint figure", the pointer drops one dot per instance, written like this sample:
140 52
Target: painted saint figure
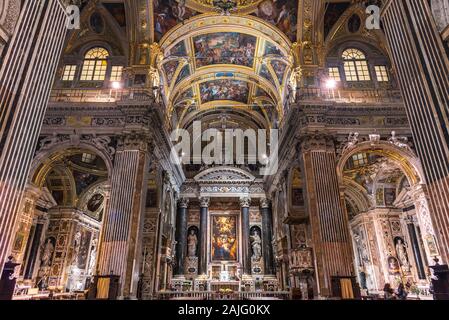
192 242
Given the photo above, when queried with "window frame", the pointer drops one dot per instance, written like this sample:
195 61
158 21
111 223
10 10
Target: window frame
355 66
332 71
95 67
69 75
383 74
113 76
360 160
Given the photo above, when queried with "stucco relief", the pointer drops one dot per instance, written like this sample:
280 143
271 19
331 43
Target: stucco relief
9 14
440 10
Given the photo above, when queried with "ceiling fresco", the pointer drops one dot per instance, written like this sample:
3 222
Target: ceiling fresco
283 14
224 48
167 14
224 89
203 65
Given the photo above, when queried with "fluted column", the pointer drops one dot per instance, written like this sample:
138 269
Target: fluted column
121 229
425 224
204 212
181 236
328 219
245 203
27 71
267 236
422 68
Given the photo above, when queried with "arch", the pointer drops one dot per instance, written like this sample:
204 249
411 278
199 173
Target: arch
45 158
64 175
340 32
405 159
260 79
78 38
85 196
97 52
357 194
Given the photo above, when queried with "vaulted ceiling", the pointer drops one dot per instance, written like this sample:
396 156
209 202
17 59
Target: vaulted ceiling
229 61
205 66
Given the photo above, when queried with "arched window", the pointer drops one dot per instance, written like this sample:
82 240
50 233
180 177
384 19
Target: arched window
95 65
356 65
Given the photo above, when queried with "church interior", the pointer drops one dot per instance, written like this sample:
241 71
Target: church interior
93 205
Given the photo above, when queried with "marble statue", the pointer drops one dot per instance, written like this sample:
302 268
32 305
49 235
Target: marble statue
76 248
92 256
353 140
192 243
401 142
47 253
256 244
402 255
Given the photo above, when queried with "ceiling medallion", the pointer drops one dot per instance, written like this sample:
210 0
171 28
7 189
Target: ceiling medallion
226 6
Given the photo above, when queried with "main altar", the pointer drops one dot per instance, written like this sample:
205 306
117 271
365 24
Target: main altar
224 235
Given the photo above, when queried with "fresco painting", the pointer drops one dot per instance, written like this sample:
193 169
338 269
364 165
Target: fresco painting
224 48
224 89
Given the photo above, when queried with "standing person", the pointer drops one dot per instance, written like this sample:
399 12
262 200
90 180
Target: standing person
388 292
401 292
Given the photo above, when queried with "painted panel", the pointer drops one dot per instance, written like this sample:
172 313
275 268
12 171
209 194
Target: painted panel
225 89
224 48
224 238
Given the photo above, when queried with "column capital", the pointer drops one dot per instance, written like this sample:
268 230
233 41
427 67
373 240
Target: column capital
245 202
183 203
317 142
134 141
264 203
204 202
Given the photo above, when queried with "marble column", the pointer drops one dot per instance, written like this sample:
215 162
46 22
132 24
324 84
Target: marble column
245 203
416 249
181 236
326 210
423 216
34 249
25 222
122 222
204 212
422 67
27 72
267 236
